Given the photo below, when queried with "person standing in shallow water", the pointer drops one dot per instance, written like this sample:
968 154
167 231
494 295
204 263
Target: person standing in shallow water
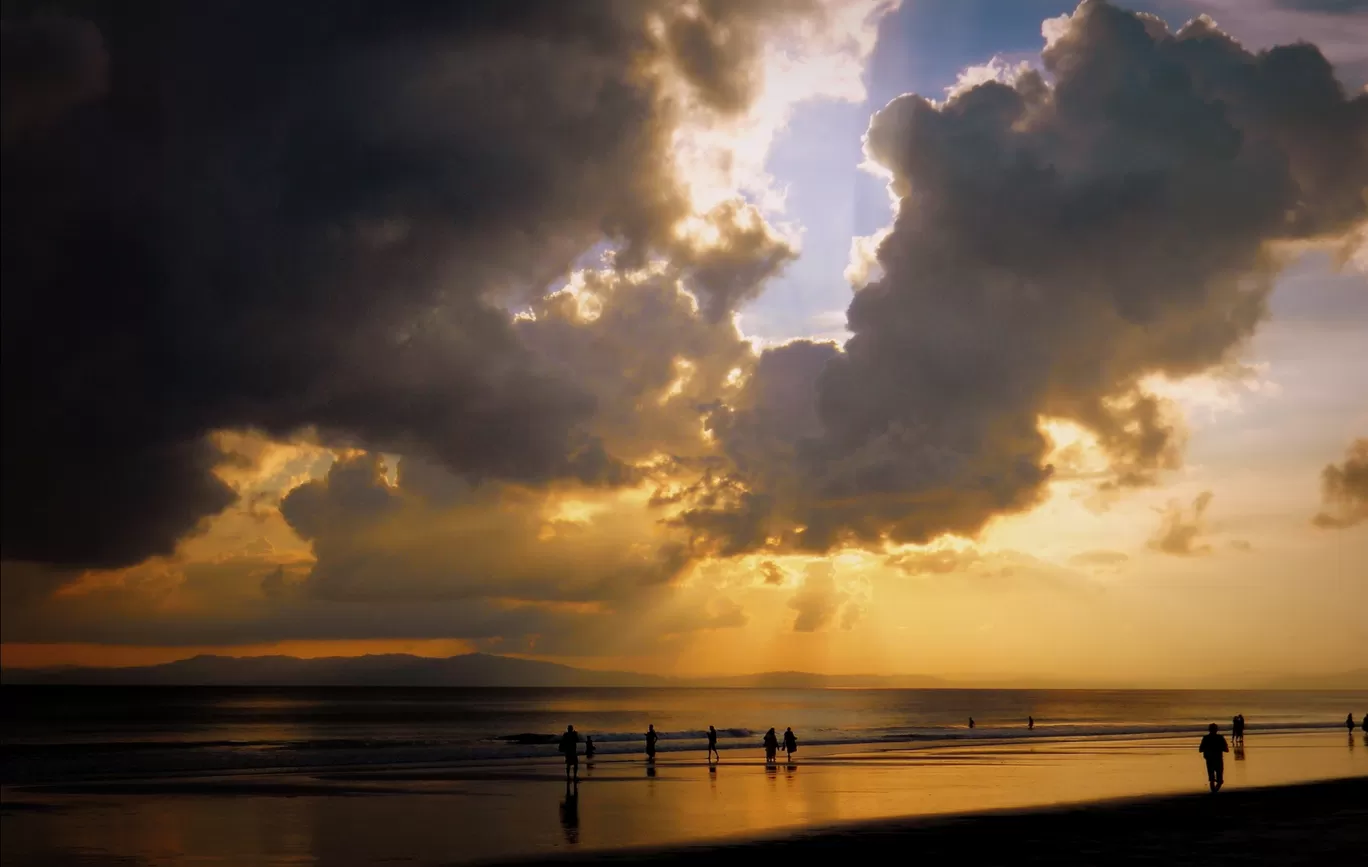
1213 748
569 745
712 744
1349 723
651 738
971 722
790 742
771 746
1237 728
589 748
1030 722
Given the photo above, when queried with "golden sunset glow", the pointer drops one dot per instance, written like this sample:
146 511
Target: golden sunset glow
752 385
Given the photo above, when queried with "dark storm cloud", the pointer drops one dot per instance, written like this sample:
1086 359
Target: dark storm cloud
50 64
378 542
718 56
735 270
1056 242
429 556
1180 530
772 573
314 216
1344 489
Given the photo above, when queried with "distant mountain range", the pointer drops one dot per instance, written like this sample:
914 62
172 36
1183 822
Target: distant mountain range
482 670
398 669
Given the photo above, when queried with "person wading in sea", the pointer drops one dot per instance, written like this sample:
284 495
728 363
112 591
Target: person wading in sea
569 745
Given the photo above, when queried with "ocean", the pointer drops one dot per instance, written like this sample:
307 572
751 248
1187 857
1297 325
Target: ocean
55 734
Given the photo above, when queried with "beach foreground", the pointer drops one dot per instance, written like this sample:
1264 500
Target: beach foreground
1313 823
464 812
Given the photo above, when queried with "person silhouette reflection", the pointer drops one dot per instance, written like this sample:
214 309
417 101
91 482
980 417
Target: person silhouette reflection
569 812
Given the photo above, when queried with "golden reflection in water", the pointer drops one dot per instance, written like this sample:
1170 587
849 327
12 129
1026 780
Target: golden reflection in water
458 814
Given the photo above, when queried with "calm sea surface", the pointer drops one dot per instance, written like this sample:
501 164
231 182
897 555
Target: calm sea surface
54 734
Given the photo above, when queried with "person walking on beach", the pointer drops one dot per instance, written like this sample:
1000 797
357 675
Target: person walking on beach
589 748
790 742
1030 722
1349 723
971 722
569 745
1213 748
1237 728
651 738
771 746
712 744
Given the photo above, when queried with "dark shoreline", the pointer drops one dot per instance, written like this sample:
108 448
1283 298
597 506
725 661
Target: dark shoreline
1309 823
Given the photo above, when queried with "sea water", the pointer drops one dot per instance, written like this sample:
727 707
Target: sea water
61 734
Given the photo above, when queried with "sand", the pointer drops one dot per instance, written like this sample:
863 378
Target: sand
1312 823
463 813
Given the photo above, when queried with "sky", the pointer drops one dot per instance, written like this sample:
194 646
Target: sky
1010 340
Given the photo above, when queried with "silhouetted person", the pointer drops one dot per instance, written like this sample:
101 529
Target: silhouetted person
1030 722
1213 748
569 813
712 744
790 742
651 738
1237 728
771 746
1349 722
1365 722
569 745
971 722
589 748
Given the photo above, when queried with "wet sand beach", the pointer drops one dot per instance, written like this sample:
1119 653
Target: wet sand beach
465 812
1313 823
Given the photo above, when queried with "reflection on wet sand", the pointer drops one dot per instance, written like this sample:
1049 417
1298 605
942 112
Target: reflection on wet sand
569 814
448 814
